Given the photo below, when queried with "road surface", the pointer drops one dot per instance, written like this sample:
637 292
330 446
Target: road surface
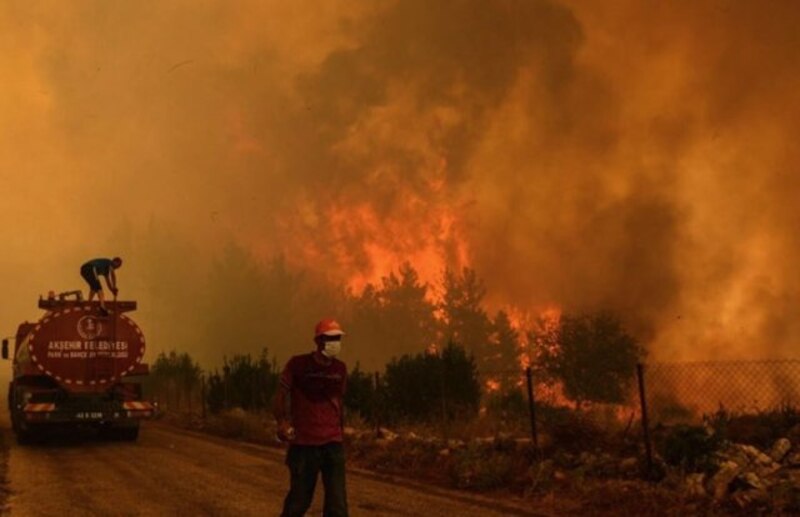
171 472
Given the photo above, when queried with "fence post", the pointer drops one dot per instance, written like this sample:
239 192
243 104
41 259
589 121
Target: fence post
376 405
532 407
645 425
445 430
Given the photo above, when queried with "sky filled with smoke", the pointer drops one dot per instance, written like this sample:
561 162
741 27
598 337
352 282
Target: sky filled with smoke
636 157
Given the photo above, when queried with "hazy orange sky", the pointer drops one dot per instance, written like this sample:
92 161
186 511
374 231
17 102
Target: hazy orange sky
633 155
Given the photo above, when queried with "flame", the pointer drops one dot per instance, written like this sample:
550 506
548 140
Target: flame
364 245
553 394
492 385
535 329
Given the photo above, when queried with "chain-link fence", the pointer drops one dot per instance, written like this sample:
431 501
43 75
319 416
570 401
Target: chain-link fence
661 394
684 392
687 393
518 403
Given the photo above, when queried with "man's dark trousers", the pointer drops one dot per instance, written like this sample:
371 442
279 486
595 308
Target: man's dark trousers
305 462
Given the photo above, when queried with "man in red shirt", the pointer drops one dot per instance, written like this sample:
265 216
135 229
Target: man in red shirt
309 412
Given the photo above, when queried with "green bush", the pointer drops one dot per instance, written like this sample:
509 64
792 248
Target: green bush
244 382
425 386
360 396
759 429
595 358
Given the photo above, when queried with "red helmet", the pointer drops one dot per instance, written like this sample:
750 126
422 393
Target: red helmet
328 327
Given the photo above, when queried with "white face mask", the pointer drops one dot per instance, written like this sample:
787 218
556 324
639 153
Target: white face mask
332 348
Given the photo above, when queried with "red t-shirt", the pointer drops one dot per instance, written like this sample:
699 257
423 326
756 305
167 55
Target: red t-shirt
316 392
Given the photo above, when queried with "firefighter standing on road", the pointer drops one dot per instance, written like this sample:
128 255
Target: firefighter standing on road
92 270
309 412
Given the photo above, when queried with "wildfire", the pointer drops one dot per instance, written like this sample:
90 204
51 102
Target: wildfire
535 329
364 245
492 385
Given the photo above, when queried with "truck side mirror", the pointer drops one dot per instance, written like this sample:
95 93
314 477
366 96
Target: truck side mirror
5 349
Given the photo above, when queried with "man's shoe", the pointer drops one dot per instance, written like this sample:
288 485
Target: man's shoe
103 311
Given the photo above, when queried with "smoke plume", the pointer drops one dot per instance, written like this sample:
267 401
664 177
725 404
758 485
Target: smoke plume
638 159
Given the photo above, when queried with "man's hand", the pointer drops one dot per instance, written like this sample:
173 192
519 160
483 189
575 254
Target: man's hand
285 431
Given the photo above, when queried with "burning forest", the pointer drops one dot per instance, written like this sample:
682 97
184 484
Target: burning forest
555 187
634 160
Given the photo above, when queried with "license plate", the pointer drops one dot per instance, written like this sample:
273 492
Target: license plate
89 415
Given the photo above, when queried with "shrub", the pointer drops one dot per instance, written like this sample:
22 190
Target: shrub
360 394
570 430
479 468
690 447
244 382
759 429
423 386
508 403
594 358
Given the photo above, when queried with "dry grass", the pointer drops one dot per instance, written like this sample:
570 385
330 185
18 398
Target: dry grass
235 424
496 463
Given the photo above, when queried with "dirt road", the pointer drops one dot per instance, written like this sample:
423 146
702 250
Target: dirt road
168 472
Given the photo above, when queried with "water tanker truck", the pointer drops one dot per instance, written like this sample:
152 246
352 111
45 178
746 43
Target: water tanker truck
75 367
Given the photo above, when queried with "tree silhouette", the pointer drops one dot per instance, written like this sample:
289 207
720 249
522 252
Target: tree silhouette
421 386
396 318
174 376
246 383
466 322
361 393
595 358
501 357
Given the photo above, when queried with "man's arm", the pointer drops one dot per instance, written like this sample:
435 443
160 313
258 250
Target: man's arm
111 280
282 407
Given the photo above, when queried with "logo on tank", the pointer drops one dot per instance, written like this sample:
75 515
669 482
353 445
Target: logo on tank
89 327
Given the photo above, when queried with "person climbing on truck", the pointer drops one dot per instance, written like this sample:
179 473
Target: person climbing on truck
92 270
